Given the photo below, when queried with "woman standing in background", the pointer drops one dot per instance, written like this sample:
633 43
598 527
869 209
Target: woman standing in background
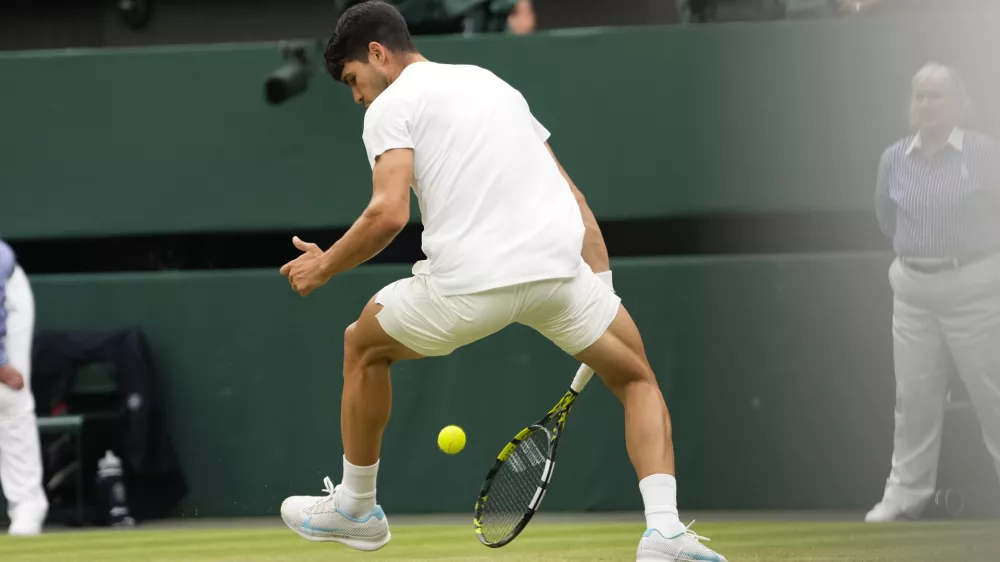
938 200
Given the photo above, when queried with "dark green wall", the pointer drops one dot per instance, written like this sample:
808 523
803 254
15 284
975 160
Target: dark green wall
652 122
777 370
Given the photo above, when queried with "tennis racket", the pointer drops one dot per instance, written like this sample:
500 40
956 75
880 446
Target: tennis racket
516 484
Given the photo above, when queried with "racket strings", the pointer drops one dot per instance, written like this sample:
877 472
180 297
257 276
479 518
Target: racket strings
514 487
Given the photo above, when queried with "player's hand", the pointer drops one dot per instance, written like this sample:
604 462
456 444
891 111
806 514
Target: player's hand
306 273
10 377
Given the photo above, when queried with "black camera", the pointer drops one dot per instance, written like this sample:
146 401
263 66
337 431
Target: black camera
292 78
135 13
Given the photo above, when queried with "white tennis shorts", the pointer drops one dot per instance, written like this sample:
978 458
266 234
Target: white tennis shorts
572 313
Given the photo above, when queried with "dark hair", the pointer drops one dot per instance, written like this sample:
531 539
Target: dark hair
359 25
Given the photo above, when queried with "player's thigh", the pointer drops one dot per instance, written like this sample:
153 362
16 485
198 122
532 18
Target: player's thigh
618 356
428 324
366 339
586 319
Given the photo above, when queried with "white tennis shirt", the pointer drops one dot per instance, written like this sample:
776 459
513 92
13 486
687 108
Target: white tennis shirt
496 210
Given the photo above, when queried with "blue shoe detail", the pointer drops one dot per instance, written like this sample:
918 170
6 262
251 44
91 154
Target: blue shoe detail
377 513
649 533
307 525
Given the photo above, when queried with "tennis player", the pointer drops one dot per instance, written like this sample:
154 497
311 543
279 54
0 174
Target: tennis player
508 238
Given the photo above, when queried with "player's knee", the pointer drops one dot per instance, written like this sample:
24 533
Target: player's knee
359 350
634 378
645 384
351 343
630 372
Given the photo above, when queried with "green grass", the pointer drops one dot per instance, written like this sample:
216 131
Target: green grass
740 542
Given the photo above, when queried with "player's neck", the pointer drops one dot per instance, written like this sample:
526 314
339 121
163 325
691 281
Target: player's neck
405 61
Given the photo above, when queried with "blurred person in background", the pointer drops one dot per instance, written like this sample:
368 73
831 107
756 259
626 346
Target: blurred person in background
858 6
938 200
522 19
831 8
447 17
20 455
911 7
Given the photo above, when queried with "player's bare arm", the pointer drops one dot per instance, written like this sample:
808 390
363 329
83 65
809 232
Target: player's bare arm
386 215
595 251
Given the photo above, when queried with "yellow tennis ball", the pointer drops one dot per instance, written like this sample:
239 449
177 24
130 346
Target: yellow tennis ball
451 440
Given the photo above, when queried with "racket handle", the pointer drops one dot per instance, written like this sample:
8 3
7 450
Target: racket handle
581 379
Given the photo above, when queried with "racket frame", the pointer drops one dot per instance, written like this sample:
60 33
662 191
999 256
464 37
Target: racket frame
559 412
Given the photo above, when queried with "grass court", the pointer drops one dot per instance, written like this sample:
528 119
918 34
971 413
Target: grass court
541 542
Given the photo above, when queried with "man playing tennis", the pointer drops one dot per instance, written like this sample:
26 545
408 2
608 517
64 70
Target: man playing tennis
504 232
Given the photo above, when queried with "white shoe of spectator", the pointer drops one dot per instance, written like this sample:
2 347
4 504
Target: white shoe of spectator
25 527
886 513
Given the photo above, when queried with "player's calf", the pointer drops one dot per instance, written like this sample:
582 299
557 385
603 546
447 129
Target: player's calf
620 359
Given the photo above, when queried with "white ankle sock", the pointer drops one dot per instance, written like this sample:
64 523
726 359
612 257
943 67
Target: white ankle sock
357 492
659 495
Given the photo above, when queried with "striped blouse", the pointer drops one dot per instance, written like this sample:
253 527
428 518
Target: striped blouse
944 206
6 269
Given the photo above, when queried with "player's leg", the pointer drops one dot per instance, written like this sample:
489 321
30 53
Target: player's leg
619 358
367 396
365 404
586 319
20 455
348 514
406 320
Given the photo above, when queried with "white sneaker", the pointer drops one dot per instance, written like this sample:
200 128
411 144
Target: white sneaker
886 513
319 519
27 521
684 547
25 527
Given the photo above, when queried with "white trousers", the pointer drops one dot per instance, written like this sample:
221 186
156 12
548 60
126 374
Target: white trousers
956 312
20 455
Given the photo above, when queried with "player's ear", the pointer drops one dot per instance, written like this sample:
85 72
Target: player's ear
376 52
